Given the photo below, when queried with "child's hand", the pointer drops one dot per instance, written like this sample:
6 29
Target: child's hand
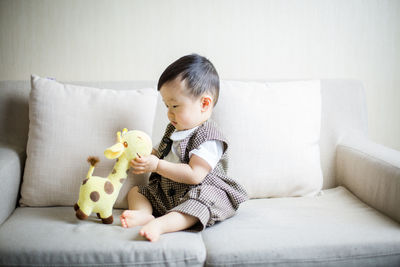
144 164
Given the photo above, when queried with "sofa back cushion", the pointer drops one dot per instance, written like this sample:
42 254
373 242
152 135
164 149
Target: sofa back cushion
68 123
274 131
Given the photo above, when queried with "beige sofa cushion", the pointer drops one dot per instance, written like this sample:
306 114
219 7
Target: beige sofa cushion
274 131
335 229
67 124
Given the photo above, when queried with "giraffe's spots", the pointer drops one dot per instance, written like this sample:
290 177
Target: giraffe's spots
117 159
122 180
108 188
114 171
95 196
84 181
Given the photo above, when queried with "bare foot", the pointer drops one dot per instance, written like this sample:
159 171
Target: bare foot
151 231
133 218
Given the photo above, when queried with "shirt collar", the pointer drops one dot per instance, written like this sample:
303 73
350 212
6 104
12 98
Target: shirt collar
180 135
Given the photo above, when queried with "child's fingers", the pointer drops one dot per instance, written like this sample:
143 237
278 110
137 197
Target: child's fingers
138 163
135 162
140 160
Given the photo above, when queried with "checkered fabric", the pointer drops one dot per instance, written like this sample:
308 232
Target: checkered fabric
215 199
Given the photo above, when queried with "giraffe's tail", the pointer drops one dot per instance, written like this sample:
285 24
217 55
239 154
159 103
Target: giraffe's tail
93 161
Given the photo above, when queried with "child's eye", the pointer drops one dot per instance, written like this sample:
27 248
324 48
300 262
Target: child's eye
172 106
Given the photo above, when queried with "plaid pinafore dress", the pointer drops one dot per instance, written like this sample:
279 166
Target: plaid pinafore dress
215 199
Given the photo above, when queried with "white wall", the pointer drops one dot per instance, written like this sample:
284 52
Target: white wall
136 40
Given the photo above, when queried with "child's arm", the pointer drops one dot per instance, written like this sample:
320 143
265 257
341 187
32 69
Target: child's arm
192 173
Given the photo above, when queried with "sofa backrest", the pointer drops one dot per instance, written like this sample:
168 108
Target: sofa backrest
343 112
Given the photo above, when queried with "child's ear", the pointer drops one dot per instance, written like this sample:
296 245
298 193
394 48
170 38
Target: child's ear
206 102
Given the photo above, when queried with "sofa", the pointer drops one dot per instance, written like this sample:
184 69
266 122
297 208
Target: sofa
334 203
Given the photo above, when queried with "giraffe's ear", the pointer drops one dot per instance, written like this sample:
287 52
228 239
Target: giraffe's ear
114 151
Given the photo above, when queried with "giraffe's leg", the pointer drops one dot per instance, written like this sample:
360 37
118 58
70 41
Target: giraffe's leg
108 220
83 213
107 217
79 214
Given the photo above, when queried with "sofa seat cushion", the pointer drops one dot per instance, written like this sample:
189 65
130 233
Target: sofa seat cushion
53 236
335 229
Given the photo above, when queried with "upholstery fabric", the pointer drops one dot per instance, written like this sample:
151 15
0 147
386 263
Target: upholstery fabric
11 162
371 172
273 130
334 229
54 237
344 111
68 123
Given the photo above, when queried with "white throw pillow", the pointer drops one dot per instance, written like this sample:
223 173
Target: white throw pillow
274 131
68 123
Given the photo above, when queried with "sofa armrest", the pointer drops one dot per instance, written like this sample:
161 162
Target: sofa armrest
371 172
11 166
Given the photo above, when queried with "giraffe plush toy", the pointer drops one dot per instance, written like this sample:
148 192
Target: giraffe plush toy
98 194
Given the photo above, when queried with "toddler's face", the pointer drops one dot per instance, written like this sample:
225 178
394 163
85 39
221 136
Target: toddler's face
184 111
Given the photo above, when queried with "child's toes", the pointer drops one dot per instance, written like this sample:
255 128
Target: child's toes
123 222
124 213
149 234
152 237
146 235
142 232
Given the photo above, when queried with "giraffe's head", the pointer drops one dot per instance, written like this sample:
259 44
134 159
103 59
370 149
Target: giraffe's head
130 144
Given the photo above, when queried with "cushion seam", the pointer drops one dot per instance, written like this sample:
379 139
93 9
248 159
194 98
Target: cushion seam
192 259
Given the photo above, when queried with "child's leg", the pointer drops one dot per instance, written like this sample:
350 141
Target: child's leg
140 210
170 222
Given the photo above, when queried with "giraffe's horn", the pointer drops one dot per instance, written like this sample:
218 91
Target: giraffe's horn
119 137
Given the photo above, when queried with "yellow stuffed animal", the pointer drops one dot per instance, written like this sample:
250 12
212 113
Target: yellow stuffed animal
98 194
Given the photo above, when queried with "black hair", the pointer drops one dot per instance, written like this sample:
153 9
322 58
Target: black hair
197 71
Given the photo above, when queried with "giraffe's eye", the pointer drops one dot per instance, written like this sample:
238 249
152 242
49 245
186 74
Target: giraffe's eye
125 144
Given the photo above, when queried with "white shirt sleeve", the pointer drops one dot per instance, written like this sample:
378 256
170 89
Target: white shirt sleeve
211 151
